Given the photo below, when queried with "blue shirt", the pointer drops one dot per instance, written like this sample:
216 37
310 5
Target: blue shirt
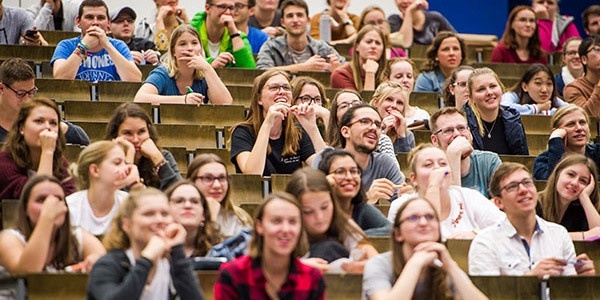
256 38
166 85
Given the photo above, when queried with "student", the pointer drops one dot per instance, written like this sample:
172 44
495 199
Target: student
169 15
267 17
535 93
343 24
145 258
34 145
571 197
585 90
132 125
272 269
244 10
122 27
190 209
462 211
416 24
102 172
341 102
446 53
494 128
209 174
520 42
591 20
331 232
269 141
307 90
374 15
570 134
418 266
54 14
43 239
572 66
522 243
554 29
93 56
187 77
455 91
362 73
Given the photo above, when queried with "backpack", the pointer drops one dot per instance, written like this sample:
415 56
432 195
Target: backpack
232 247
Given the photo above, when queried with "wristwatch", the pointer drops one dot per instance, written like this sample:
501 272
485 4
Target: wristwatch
232 35
349 22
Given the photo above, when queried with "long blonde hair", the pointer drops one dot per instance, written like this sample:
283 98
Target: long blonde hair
478 72
171 61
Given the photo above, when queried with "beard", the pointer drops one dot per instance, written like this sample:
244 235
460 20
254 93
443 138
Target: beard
364 149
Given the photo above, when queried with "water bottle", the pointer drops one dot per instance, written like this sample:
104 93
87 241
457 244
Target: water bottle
325 26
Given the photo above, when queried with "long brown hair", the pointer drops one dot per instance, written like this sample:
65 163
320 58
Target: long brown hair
356 65
509 37
256 116
132 110
208 233
549 197
333 135
432 63
16 145
311 180
64 242
436 280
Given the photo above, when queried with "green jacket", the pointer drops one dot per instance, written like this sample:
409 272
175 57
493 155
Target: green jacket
243 57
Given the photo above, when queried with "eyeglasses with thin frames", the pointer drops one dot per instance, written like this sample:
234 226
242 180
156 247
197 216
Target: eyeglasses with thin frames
340 173
22 94
366 122
417 218
209 179
348 105
274 88
450 129
225 7
512 186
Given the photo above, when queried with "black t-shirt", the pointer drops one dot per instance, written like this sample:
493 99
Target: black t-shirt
574 218
495 140
242 139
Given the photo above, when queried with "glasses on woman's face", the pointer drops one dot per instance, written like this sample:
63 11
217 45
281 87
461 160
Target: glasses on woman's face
413 219
310 100
209 179
274 88
340 173
347 105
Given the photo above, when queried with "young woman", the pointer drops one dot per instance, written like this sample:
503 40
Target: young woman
187 77
494 128
132 125
43 239
279 239
456 92
209 174
146 258
419 266
402 71
342 101
571 197
167 17
535 93
190 209
570 134
102 173
269 141
305 89
446 53
368 60
34 145
374 15
520 42
344 24
389 99
331 233
554 29
345 176
463 211
573 68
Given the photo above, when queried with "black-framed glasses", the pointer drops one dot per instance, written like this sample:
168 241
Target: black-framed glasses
450 129
366 122
417 218
512 186
341 172
346 105
21 94
310 100
223 7
593 49
274 88
209 179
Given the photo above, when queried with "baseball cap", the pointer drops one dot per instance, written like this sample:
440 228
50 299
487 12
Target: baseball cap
126 9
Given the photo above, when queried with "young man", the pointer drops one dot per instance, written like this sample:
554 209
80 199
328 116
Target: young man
296 51
242 12
523 243
267 17
55 14
15 22
585 90
224 44
94 56
344 25
17 85
122 27
360 128
591 20
470 168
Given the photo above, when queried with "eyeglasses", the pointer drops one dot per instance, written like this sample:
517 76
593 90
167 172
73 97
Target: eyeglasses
571 53
274 88
377 22
310 100
462 84
593 49
366 122
346 105
450 129
182 201
526 20
341 172
22 94
511 187
234 7
417 218
209 179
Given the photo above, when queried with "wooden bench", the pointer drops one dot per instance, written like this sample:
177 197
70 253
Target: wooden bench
94 111
222 153
53 37
117 91
36 54
71 152
61 90
246 188
238 75
218 115
9 213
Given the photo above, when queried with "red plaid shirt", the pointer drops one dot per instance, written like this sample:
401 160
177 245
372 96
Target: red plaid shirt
243 278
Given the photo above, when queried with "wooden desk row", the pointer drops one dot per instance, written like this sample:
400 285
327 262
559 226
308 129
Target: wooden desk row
338 286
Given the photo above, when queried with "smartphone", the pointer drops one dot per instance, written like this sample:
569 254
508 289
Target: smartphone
31 33
325 57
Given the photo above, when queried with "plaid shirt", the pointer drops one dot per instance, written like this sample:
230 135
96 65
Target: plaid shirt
243 278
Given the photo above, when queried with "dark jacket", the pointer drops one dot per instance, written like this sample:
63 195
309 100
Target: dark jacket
514 132
544 164
113 277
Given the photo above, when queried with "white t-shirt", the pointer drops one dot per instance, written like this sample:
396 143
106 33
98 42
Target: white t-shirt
83 216
160 286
